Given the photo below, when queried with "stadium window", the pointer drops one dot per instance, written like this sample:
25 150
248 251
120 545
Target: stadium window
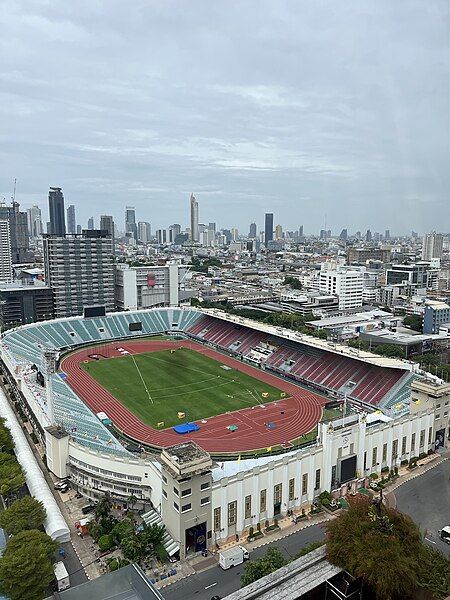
304 484
394 449
352 448
430 435
232 513
205 486
384 459
422 438
413 442
339 452
176 507
404 445
291 488
204 501
217 518
164 493
263 501
248 507
277 493
186 492
176 492
186 507
164 478
374 456
317 486
365 461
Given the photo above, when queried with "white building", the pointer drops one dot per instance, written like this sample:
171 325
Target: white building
34 219
149 286
347 284
194 219
432 246
5 253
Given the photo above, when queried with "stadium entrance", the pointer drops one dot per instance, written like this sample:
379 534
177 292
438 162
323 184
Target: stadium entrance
196 538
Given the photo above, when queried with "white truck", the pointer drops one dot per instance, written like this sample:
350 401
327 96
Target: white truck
61 576
232 557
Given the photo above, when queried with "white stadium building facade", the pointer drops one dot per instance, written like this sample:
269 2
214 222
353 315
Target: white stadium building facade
400 413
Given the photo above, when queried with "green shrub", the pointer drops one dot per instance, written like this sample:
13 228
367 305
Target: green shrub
373 476
160 552
384 469
105 542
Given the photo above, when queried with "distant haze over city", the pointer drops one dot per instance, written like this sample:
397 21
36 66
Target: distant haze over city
328 115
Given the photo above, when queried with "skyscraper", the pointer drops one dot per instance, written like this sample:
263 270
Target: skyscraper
432 245
34 219
90 223
278 232
343 235
144 232
18 231
80 271
71 222
194 219
387 234
5 252
107 224
130 221
268 228
368 236
252 232
56 211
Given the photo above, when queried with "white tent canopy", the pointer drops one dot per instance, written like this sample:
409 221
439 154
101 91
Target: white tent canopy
55 524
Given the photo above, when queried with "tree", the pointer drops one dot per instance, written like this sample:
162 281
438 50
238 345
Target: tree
255 569
293 282
413 321
103 508
6 440
26 567
380 545
23 514
12 477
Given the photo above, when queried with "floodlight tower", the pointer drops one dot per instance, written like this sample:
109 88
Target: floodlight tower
50 370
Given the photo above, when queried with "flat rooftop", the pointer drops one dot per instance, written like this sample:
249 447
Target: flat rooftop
186 453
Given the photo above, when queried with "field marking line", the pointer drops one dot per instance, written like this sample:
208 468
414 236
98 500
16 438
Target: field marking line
143 381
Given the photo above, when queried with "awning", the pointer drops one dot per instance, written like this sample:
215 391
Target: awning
152 517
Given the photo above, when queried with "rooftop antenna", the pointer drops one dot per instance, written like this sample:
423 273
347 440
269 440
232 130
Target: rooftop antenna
13 197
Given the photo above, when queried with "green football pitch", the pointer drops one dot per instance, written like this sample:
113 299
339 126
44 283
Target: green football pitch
156 386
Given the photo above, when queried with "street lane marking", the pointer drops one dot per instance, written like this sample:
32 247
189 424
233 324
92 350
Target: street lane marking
428 540
210 586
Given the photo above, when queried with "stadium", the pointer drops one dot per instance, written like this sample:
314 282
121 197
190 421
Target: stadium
109 394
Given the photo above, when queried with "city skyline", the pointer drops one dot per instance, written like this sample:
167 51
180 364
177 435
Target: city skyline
263 111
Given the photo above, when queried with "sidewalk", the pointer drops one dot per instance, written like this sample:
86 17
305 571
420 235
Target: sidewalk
200 563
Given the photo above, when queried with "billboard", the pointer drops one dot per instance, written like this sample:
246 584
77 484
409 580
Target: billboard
151 279
439 440
136 326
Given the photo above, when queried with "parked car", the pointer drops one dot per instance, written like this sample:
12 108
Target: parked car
63 483
87 509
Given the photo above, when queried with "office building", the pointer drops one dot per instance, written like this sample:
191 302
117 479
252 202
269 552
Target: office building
107 224
130 222
415 275
368 236
18 231
5 252
252 232
34 221
90 223
22 304
278 232
146 287
56 211
362 255
432 246
343 235
268 228
80 271
71 222
194 219
436 314
144 232
345 283
387 235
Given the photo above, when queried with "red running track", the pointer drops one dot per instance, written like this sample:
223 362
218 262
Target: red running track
293 416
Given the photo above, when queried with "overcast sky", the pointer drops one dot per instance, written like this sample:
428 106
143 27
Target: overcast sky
312 110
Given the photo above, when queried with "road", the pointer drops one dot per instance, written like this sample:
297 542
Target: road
203 586
426 499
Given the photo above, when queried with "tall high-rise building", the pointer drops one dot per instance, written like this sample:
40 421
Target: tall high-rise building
71 221
5 252
343 235
212 227
368 236
347 284
432 246
107 224
176 230
34 220
278 232
194 218
252 231
56 211
301 234
80 271
387 235
18 231
144 232
90 223
268 228
130 222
